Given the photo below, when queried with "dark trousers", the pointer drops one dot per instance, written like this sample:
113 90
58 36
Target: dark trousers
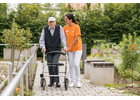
53 70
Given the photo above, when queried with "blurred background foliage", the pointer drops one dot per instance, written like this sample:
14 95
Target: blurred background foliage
108 22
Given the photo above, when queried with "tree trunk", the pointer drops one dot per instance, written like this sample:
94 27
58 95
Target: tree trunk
12 56
18 60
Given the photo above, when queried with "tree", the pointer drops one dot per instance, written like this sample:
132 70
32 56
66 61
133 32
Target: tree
70 8
61 5
87 6
47 5
30 15
3 9
4 22
16 38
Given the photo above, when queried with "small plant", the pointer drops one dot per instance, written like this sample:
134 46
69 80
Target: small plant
17 92
126 91
24 58
6 82
120 83
113 86
18 89
136 92
130 49
99 92
80 65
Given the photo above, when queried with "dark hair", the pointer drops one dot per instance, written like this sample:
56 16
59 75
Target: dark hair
70 16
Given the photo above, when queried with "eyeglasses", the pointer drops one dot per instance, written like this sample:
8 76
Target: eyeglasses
65 19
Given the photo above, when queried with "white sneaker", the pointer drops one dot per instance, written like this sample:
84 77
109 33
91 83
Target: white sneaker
78 85
71 85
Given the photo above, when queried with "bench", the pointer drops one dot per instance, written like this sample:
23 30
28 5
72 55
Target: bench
101 73
88 66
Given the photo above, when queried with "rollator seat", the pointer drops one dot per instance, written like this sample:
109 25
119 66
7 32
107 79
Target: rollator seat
59 64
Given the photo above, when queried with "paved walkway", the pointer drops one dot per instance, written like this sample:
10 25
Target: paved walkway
87 89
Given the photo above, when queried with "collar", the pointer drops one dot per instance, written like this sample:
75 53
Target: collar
50 28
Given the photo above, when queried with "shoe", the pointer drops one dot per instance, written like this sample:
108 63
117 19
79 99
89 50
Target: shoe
58 84
78 85
71 85
50 85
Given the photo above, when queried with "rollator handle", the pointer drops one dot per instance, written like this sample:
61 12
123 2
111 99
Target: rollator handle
43 51
58 52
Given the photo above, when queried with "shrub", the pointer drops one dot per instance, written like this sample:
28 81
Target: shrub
129 48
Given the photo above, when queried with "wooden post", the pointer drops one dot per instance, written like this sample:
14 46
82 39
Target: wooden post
10 72
35 56
10 75
30 71
84 56
32 62
21 80
27 72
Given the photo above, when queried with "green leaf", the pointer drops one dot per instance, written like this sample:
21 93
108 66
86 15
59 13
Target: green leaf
139 46
133 54
127 42
128 52
132 40
137 42
126 47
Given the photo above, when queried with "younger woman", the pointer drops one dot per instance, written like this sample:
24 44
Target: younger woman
74 48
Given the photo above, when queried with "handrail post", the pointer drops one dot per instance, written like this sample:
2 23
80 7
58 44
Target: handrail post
35 55
14 83
30 71
21 80
10 75
9 72
27 72
84 56
31 62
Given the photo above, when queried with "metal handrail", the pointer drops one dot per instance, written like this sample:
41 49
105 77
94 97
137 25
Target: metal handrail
11 86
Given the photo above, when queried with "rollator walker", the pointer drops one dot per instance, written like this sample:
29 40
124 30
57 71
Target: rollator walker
43 81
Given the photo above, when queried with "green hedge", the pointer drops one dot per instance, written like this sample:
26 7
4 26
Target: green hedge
102 22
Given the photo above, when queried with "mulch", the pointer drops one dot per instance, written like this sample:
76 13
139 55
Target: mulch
134 90
32 81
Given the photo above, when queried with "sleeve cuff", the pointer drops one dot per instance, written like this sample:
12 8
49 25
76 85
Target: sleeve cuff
65 47
43 47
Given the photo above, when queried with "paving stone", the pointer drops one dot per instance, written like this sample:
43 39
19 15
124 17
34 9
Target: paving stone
87 88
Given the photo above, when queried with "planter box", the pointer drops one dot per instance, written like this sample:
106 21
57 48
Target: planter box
102 73
87 67
7 54
93 51
111 50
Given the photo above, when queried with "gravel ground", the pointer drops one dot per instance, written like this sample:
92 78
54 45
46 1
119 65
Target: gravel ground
3 71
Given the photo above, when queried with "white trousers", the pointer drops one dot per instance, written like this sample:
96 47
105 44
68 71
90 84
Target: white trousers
74 62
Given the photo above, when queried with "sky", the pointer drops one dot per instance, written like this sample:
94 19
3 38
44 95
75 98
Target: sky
14 3
70 1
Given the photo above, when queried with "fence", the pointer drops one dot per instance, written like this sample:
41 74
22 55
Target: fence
13 81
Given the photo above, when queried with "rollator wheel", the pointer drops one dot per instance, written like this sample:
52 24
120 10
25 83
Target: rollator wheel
44 84
41 82
66 83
